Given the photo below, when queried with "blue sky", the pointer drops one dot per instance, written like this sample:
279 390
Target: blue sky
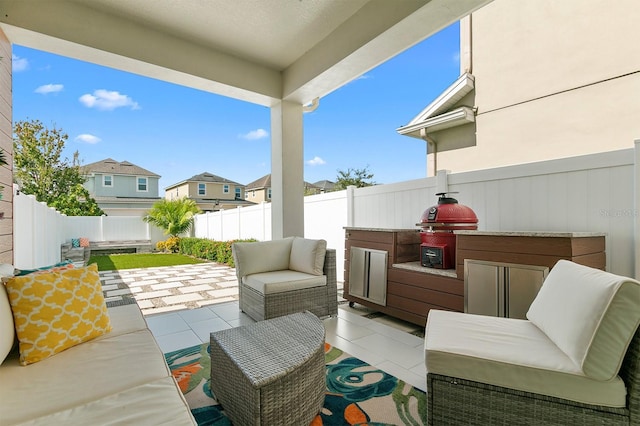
178 132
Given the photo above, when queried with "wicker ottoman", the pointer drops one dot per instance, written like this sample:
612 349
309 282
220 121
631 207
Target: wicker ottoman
271 372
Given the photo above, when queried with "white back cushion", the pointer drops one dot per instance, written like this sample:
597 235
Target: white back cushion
7 328
262 256
591 315
308 255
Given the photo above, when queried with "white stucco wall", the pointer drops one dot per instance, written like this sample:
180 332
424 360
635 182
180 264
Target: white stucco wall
554 79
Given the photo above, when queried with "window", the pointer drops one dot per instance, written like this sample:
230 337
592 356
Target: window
142 184
269 193
107 180
225 189
238 193
201 189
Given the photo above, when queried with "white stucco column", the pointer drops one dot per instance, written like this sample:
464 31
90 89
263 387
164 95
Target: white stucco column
287 182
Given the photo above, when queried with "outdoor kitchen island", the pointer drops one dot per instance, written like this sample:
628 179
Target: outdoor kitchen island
388 277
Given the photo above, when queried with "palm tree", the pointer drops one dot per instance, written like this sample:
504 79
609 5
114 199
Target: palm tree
175 217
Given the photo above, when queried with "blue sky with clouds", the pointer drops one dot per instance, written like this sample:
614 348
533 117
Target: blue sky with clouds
178 132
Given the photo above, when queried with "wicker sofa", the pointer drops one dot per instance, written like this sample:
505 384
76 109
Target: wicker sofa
575 360
285 276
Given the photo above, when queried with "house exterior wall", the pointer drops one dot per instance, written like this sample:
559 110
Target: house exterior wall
257 195
553 79
6 144
213 190
123 186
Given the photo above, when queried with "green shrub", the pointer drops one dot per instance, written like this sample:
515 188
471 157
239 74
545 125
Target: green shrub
215 251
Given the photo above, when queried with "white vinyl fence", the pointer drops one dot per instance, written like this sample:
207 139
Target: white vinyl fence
40 230
593 193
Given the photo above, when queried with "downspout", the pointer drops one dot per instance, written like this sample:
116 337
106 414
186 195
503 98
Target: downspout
431 147
312 106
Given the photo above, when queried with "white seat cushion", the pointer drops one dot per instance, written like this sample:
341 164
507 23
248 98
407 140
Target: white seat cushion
89 371
151 403
590 314
511 353
280 281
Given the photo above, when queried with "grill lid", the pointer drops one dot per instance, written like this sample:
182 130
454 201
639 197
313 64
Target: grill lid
448 212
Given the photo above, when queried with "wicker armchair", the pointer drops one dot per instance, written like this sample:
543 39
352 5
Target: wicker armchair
272 284
483 385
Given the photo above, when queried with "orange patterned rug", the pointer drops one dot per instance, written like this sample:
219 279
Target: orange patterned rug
357 393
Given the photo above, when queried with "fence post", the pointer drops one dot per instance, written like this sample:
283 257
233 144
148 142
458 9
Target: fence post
351 192
264 220
442 184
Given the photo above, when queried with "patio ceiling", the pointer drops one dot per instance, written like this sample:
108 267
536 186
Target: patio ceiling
261 51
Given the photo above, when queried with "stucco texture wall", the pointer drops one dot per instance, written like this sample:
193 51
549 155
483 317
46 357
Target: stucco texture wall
553 79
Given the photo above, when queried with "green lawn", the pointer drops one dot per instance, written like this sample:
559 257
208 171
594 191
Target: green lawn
143 260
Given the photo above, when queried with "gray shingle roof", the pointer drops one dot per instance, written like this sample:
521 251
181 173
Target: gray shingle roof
205 177
114 167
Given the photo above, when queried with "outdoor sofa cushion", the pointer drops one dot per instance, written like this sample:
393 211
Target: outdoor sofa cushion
281 281
307 255
118 378
263 256
511 353
591 315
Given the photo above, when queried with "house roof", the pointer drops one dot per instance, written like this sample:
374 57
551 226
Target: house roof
204 177
113 167
438 115
325 184
265 182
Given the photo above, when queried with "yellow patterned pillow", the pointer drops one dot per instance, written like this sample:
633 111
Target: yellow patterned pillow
54 311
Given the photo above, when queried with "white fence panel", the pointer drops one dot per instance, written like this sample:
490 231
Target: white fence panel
38 230
593 193
325 216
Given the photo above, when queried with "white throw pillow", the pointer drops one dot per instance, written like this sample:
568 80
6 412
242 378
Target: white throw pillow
591 315
262 256
308 255
7 327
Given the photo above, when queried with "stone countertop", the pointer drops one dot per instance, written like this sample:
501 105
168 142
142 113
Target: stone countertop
355 228
545 234
417 267
557 234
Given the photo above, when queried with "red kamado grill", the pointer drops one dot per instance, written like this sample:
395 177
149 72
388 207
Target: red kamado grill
438 248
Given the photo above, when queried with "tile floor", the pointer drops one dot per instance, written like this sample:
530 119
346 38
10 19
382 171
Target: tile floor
183 304
381 341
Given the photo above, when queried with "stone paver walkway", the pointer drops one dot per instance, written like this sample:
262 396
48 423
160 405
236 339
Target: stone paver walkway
172 288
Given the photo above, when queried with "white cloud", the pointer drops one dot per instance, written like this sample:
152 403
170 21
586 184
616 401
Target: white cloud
255 134
316 161
87 138
107 100
19 64
49 88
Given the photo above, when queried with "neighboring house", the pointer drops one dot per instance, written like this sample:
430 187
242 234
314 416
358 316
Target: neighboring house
540 80
121 188
210 192
325 186
260 190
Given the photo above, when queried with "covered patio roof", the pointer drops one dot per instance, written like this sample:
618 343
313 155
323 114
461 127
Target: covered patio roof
282 54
